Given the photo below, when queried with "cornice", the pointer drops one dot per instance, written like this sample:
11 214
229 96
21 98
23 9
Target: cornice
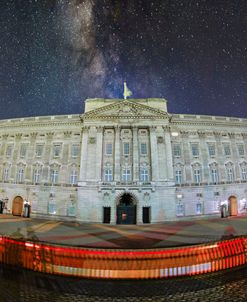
94 114
209 123
35 125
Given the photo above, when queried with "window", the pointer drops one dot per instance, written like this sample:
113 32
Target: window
108 175
197 176
126 176
214 175
198 208
227 150
144 150
180 209
144 177
73 177
9 151
75 150
195 150
244 173
54 176
229 172
177 150
178 176
23 150
57 150
6 174
241 150
20 175
211 150
39 150
52 207
36 175
71 210
126 148
108 149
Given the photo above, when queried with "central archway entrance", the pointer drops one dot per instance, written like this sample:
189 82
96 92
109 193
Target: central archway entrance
126 209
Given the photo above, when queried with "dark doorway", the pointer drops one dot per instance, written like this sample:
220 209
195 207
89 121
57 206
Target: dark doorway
146 214
126 210
1 206
106 214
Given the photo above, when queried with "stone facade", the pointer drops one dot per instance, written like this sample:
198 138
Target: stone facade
172 166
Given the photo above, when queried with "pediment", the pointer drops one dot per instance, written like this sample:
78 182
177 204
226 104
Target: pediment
125 110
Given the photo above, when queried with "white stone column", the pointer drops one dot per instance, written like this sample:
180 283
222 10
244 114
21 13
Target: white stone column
169 160
139 213
154 153
83 164
46 156
117 170
113 212
203 155
220 158
99 151
135 155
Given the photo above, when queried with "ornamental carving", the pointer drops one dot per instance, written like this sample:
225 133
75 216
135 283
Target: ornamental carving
91 140
67 134
160 139
125 110
18 136
50 135
146 197
33 135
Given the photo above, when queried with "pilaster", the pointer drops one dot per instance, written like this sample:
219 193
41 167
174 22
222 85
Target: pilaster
84 147
135 155
154 153
169 159
117 154
99 152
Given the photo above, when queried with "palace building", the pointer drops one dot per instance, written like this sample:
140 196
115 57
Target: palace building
123 161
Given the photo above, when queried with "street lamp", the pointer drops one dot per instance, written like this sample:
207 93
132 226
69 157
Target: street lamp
6 200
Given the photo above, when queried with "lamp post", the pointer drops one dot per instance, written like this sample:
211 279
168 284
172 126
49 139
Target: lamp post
4 204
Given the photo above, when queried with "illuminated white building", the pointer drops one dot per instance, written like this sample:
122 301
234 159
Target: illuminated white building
123 161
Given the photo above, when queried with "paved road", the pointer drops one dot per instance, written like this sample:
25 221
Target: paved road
167 234
23 286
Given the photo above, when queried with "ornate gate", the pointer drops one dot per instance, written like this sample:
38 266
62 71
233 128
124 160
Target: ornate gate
17 206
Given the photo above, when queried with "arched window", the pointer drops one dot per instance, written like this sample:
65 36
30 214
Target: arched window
73 176
126 175
52 209
20 173
197 175
243 168
144 174
54 174
214 175
37 173
229 172
180 209
6 172
108 172
178 171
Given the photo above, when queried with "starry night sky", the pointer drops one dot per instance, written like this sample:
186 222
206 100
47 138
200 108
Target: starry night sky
56 53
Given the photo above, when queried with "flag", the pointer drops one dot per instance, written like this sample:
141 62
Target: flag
127 92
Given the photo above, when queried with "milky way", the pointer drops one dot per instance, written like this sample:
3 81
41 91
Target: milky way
56 53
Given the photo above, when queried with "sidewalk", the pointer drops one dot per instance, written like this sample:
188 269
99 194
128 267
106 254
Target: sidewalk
168 234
